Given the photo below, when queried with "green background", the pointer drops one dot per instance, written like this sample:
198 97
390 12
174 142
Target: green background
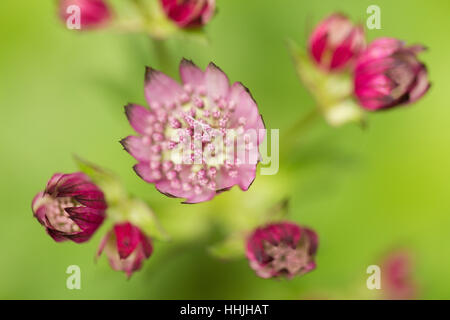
364 191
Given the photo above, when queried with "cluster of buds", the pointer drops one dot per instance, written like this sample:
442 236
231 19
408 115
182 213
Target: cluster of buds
206 115
185 14
350 76
72 207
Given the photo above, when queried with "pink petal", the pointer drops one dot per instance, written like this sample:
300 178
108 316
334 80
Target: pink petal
146 243
160 89
52 183
208 11
94 200
247 174
421 86
137 148
127 238
245 106
144 171
191 74
138 117
217 84
313 238
86 218
103 243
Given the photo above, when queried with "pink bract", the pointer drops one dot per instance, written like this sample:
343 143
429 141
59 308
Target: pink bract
282 249
126 246
388 74
178 143
70 208
397 276
94 13
336 42
189 13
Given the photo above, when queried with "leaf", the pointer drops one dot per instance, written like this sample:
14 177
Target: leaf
332 91
344 112
121 206
140 214
106 180
231 248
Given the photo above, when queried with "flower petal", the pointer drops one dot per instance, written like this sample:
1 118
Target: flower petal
217 83
137 148
127 238
138 117
160 89
191 74
86 218
146 173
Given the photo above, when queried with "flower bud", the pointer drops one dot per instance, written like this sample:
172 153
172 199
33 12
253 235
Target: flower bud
70 208
93 13
189 13
126 247
282 249
389 74
336 42
397 280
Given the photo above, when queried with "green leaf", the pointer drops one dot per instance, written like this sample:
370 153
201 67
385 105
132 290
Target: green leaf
121 206
106 180
231 248
333 92
140 214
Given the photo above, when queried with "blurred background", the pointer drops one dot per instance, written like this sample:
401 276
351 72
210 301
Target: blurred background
364 191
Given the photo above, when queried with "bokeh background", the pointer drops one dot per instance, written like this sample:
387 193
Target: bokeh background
364 191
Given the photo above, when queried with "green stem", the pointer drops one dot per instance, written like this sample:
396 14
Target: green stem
162 55
290 137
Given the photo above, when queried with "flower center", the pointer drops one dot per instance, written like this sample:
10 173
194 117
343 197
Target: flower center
287 259
195 139
58 217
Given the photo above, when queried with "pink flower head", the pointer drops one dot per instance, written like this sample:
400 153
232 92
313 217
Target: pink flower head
282 249
189 13
70 208
396 275
93 13
388 74
197 139
126 247
336 42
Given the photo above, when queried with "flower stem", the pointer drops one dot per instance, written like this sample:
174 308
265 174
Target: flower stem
290 137
162 55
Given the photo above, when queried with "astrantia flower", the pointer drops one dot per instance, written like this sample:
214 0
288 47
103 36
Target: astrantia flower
93 13
282 249
388 74
71 207
126 247
397 279
189 13
197 139
335 42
